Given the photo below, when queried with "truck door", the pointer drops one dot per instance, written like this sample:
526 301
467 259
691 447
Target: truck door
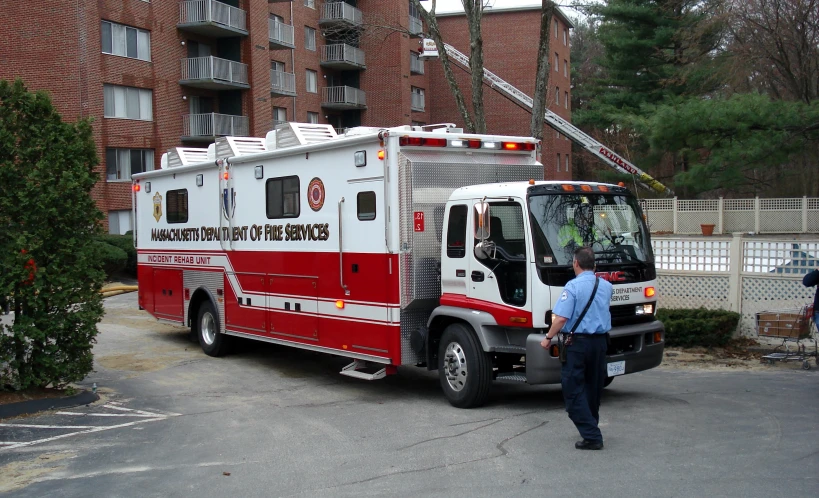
502 279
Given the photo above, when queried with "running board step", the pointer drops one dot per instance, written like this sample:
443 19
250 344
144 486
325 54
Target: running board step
355 369
511 377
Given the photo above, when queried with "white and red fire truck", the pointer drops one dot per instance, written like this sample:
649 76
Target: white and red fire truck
402 246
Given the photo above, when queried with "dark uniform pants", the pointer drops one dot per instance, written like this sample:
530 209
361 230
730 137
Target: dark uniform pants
583 376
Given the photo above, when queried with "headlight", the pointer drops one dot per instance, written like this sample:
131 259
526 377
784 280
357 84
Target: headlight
644 309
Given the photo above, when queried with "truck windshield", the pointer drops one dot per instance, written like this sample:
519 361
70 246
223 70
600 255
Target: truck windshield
610 224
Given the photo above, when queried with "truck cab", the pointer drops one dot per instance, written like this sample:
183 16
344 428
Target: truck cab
506 254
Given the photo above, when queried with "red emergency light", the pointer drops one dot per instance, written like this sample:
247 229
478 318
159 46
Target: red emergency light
517 146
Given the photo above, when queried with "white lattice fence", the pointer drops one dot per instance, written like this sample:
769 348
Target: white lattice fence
660 214
692 254
813 215
780 215
693 291
739 215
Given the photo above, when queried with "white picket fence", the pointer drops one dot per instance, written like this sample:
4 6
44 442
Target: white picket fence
785 215
746 274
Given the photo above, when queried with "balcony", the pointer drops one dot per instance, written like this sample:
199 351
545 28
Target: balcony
343 97
213 73
417 102
416 27
212 18
282 84
342 56
340 15
280 35
416 64
206 127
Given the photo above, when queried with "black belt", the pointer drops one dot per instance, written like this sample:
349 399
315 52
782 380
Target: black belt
583 335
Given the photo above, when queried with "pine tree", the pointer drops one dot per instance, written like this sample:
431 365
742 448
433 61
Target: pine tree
49 263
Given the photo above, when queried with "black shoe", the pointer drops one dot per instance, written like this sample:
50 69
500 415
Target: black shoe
588 444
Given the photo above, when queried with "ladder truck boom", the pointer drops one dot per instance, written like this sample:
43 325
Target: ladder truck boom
574 133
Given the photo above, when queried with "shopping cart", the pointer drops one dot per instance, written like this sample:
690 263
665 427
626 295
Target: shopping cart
792 325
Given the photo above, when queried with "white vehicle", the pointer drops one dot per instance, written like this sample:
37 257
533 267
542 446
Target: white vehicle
402 246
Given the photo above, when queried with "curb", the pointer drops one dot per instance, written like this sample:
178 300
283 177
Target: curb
41 405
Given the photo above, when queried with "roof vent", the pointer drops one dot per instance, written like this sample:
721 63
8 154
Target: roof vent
183 156
238 146
293 134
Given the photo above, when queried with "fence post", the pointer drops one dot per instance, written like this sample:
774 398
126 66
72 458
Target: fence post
735 272
804 214
756 214
674 205
721 208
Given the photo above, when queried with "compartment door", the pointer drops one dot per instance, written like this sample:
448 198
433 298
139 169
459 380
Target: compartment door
168 297
293 306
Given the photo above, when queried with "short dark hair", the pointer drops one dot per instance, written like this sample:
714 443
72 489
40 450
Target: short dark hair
585 257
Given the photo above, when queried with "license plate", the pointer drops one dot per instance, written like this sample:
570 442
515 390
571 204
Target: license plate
616 368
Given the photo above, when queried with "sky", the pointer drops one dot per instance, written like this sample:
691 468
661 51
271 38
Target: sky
456 6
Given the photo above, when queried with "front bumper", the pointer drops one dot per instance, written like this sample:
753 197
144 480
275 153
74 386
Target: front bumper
543 368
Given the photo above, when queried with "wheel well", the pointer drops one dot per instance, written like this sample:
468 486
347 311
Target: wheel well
199 296
436 330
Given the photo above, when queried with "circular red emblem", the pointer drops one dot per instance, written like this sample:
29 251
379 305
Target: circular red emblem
315 194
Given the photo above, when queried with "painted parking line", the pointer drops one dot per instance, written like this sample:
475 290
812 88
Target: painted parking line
137 417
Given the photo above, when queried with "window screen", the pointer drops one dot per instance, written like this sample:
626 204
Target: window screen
366 206
176 204
283 197
456 232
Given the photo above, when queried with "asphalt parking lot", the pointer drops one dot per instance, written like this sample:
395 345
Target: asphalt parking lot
273 421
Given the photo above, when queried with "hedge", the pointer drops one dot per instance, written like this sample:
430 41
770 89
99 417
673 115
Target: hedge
698 327
113 258
126 243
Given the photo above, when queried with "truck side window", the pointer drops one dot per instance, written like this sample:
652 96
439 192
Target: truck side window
176 204
366 206
456 232
283 197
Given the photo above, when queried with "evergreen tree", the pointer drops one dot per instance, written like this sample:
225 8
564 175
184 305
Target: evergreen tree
49 263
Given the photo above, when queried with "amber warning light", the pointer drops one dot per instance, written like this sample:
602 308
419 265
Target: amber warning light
649 292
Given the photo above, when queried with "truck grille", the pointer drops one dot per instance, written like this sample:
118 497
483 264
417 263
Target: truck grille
623 314
623 345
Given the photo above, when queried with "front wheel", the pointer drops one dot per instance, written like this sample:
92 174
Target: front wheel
212 340
464 369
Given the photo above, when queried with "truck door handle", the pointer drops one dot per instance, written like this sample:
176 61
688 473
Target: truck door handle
477 276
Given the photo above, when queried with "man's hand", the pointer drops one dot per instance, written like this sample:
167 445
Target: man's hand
545 343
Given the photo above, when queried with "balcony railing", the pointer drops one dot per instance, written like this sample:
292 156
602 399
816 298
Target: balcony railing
416 27
342 56
417 102
212 18
416 64
340 13
282 83
280 34
343 97
214 73
211 125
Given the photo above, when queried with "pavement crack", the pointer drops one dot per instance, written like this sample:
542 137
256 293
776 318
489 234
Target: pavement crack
495 421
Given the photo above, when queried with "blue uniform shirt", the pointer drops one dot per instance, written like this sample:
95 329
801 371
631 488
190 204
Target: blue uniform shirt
574 298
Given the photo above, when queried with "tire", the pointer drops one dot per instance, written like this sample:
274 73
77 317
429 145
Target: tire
608 382
464 369
212 340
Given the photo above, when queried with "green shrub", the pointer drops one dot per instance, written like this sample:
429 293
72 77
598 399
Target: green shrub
112 257
698 327
126 243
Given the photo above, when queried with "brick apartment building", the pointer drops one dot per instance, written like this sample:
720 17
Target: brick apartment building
155 75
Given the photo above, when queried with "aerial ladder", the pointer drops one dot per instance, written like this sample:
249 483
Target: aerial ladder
575 134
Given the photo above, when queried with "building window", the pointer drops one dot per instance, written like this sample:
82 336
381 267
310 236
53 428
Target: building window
567 163
417 99
557 164
283 197
126 41
556 28
365 202
310 3
120 164
279 115
120 222
176 205
312 81
312 117
565 68
566 99
277 66
565 36
456 232
309 38
127 102
557 62
557 95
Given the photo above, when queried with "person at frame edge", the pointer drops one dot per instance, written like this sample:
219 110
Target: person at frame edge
584 372
810 280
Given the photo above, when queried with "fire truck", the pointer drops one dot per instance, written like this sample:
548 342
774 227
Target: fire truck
419 246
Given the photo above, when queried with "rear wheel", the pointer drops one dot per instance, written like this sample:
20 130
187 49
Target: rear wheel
213 342
464 369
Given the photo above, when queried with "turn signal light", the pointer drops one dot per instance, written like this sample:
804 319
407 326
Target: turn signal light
136 187
381 154
517 319
658 337
340 304
649 292
225 175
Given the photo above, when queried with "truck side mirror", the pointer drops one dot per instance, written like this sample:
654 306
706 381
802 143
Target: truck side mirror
482 220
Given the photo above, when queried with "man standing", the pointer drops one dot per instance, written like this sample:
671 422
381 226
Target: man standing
810 280
584 372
